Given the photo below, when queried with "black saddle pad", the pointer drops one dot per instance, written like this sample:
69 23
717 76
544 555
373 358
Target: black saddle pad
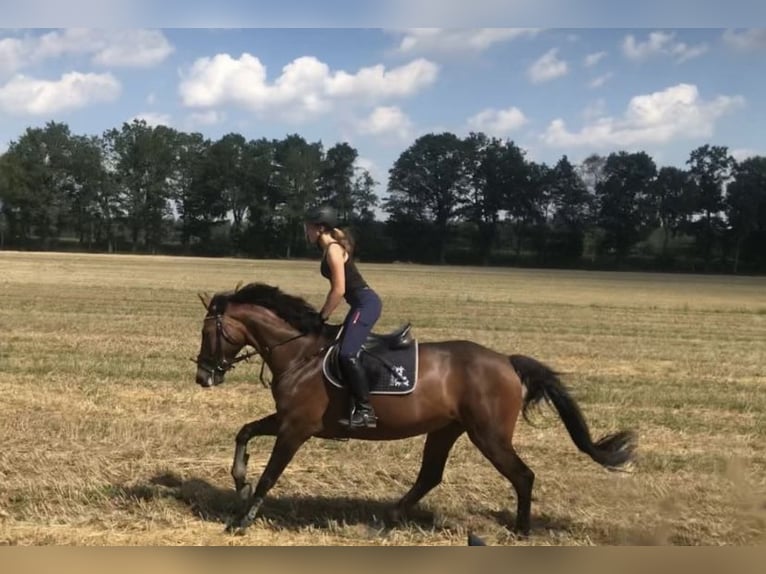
389 371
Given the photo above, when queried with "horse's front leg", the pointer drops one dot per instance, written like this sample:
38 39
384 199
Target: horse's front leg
267 426
285 447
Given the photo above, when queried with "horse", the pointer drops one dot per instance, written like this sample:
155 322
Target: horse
460 387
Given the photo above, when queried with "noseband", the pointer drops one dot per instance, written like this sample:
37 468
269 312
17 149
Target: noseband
221 365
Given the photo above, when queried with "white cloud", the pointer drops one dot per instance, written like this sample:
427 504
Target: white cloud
592 59
655 44
684 52
153 119
367 164
306 86
497 122
741 154
547 67
746 40
132 48
660 43
458 40
674 113
377 83
372 167
206 118
386 120
599 81
74 90
12 55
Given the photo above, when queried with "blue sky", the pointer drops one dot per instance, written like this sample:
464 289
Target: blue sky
553 91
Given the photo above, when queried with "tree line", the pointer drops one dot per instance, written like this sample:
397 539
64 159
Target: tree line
473 200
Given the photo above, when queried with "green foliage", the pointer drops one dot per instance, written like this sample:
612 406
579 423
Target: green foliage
476 199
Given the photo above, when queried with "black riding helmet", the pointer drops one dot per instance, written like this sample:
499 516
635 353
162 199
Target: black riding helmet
324 215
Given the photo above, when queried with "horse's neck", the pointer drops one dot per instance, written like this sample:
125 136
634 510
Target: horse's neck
280 344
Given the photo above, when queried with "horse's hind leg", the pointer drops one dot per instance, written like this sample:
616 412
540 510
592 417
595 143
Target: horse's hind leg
499 451
435 452
267 426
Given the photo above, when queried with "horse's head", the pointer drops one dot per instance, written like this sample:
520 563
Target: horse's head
222 339
273 319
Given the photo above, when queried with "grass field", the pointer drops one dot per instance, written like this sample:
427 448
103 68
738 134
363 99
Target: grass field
106 440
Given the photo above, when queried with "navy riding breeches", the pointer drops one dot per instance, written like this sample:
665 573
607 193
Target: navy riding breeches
365 310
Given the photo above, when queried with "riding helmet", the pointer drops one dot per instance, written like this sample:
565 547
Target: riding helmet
323 215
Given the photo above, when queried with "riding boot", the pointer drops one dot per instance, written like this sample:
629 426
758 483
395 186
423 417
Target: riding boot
361 412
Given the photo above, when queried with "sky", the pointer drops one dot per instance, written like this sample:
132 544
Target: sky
552 90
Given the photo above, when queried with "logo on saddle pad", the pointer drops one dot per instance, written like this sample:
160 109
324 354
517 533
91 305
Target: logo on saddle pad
390 362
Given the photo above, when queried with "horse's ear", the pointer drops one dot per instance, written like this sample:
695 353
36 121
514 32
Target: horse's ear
205 298
238 286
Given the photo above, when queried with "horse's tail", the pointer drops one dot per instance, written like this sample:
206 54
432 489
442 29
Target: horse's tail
542 382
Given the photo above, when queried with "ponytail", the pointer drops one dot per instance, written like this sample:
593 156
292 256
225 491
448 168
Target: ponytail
344 238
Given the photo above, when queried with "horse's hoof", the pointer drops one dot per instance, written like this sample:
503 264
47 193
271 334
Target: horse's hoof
521 534
237 527
395 515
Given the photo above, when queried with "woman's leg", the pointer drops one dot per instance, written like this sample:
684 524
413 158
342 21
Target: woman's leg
359 323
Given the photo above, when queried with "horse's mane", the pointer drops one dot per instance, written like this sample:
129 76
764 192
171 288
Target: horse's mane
294 310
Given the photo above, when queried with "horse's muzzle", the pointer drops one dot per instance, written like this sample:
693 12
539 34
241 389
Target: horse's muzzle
207 378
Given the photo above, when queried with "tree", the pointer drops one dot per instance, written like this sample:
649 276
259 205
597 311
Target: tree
37 181
199 199
297 179
709 168
363 196
87 181
745 204
15 199
493 167
591 172
428 183
572 207
144 160
227 167
668 200
335 185
623 206
527 199
263 197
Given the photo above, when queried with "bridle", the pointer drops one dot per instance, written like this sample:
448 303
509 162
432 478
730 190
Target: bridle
221 365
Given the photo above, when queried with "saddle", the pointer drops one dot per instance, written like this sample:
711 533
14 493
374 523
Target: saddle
396 339
389 361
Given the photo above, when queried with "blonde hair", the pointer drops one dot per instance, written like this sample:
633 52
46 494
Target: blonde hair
344 238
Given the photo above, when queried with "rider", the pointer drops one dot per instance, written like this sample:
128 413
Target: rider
321 225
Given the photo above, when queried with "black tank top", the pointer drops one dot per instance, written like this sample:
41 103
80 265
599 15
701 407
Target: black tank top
354 279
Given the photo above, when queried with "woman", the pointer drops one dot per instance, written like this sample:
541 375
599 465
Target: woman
365 307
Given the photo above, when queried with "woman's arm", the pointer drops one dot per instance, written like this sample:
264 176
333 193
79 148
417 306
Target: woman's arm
335 260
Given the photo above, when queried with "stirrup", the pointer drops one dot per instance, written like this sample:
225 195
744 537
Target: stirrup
360 419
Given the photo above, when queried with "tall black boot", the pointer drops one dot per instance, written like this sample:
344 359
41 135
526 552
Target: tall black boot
362 414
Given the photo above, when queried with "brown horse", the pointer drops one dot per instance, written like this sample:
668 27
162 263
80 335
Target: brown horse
461 387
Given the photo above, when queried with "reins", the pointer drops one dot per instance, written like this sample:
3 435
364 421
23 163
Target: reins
222 366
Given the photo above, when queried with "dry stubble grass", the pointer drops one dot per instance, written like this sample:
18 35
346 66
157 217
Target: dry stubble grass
106 439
